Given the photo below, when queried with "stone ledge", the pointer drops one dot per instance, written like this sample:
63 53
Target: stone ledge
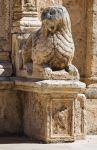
55 85
23 84
6 83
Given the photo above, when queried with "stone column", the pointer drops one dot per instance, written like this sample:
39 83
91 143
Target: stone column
91 54
91 66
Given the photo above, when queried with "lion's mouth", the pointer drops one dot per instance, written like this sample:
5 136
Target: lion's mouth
52 29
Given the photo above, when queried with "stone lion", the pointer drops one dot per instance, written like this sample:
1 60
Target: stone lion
53 46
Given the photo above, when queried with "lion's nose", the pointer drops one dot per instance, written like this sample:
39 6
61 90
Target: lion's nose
52 27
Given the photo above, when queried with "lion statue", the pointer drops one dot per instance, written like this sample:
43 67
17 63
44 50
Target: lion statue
53 46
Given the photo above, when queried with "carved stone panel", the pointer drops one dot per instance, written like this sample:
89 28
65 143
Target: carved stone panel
61 117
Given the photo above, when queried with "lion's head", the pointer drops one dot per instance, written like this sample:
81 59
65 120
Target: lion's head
56 22
55 17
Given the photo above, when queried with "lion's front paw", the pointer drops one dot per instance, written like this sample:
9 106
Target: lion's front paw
73 71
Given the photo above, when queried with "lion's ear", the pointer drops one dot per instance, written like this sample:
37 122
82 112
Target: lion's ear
61 9
44 14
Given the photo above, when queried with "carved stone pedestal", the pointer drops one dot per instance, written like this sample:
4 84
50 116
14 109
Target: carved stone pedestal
55 110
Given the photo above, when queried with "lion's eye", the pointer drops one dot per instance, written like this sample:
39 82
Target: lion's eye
52 12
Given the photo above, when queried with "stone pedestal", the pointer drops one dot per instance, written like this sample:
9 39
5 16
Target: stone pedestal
55 110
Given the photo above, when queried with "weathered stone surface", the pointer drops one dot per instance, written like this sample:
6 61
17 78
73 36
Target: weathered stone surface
10 112
92 116
77 11
91 94
25 20
52 111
